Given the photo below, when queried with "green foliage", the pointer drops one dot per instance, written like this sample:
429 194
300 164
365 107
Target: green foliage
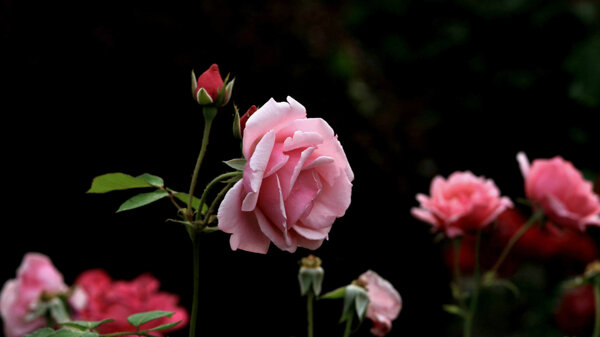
144 317
86 325
45 332
118 181
142 199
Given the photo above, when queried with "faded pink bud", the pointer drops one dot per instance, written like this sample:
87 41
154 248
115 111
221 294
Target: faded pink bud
385 302
35 275
561 191
296 181
462 203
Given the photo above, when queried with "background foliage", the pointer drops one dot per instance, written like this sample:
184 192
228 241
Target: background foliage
413 88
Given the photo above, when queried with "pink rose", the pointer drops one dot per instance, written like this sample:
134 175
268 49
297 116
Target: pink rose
560 190
385 302
296 181
208 86
463 203
120 299
35 275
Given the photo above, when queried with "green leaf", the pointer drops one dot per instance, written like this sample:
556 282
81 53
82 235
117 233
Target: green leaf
73 333
335 294
236 164
116 181
86 325
142 200
152 179
165 326
41 333
144 317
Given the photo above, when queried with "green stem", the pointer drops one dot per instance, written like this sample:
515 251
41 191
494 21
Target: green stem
215 202
457 275
213 183
196 285
310 313
209 114
469 318
537 215
348 329
597 306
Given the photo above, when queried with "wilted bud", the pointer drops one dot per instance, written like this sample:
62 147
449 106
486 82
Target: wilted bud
310 275
356 300
210 89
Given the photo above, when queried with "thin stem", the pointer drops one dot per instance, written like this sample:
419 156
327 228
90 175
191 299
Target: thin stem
213 183
348 329
597 307
457 275
196 285
209 113
310 313
215 202
468 327
537 215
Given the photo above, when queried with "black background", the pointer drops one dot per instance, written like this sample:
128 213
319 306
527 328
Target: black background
413 89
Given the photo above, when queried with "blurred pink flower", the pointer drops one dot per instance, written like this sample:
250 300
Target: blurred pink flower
35 275
560 190
463 203
120 299
385 302
296 181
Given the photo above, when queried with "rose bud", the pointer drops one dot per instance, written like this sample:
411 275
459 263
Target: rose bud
560 190
210 89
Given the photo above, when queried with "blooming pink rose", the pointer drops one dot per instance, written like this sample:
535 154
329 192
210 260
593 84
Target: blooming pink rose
560 190
385 302
463 203
35 275
120 299
296 181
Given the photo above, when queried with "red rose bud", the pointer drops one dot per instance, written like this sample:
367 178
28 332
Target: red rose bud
210 89
245 117
575 312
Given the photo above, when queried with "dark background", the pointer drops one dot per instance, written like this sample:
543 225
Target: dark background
413 88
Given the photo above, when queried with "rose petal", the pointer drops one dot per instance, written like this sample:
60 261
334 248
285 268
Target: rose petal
243 226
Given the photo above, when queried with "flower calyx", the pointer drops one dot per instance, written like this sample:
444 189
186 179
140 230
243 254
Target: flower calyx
310 275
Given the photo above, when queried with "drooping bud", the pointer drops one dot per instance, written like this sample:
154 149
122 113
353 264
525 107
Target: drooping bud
210 89
356 301
310 275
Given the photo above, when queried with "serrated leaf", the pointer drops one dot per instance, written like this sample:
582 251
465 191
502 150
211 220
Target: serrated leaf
116 181
335 294
453 309
73 333
142 200
144 317
236 164
86 325
45 332
165 326
153 180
